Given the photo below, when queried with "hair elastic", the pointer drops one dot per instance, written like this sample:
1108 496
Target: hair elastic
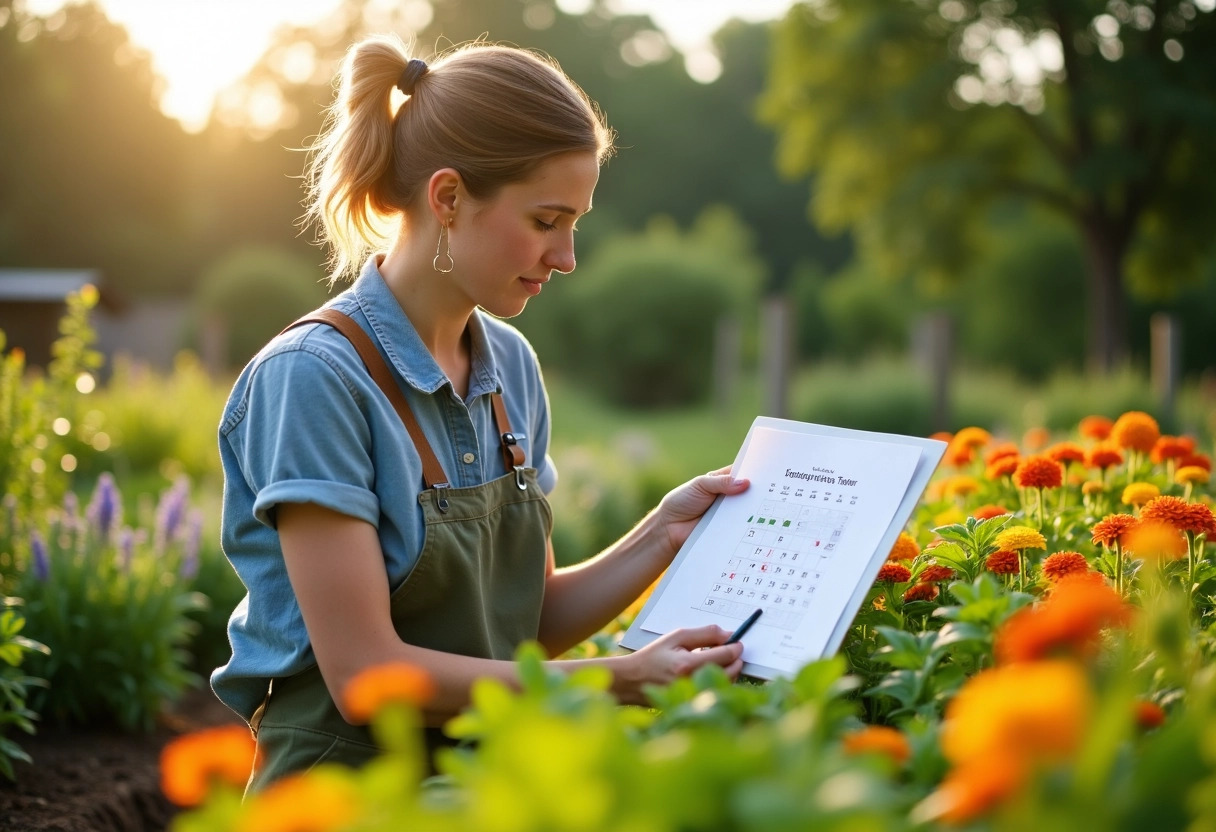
414 70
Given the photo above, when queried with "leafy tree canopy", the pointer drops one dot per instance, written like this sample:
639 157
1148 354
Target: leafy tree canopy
918 118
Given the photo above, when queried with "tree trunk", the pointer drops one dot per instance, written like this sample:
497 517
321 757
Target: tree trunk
1104 251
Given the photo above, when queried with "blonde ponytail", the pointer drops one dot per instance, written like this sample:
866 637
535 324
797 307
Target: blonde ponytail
493 113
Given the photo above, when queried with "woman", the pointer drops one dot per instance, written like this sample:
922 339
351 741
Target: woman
386 460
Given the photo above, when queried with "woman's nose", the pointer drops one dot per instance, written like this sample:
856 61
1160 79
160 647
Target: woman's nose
561 258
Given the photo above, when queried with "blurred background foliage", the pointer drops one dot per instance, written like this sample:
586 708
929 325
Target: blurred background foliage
875 163
882 159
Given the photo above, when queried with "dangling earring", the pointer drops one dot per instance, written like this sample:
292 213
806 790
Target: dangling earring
446 249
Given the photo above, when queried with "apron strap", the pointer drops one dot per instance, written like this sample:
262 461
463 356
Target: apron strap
432 471
512 454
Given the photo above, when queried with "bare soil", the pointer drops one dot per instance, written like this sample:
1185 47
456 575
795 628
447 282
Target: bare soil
100 780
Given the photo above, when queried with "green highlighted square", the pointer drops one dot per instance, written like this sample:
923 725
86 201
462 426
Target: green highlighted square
786 524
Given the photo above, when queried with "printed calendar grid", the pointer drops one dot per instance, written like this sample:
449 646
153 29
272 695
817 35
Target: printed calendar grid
779 560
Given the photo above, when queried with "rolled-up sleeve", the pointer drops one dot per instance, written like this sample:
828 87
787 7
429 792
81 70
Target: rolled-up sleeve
304 438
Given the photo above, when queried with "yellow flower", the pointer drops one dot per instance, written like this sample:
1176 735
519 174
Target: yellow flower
949 517
1020 537
1138 493
1192 475
960 486
316 801
1091 487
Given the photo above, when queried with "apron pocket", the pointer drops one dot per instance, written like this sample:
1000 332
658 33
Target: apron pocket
288 749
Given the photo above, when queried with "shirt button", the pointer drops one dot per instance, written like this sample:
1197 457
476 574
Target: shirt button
468 458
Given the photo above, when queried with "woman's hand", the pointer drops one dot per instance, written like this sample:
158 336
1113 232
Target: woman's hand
680 510
676 654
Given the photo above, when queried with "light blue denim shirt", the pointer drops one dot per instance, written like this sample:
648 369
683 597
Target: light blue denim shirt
305 423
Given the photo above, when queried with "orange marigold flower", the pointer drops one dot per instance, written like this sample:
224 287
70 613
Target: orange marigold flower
959 455
973 437
1095 427
1003 562
879 739
1201 460
942 436
1195 518
987 512
905 548
1201 520
1038 472
391 683
1139 493
1091 487
1192 475
1171 447
893 573
1070 620
1060 564
1135 431
1034 711
1112 528
1001 449
1149 715
921 592
1020 537
316 801
192 763
973 790
935 573
1103 457
1066 452
1155 539
1002 467
1036 439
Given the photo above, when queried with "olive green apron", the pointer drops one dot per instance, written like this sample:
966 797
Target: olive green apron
476 589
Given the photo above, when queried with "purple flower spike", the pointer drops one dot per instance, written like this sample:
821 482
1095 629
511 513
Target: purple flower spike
126 548
189 567
42 564
105 509
170 512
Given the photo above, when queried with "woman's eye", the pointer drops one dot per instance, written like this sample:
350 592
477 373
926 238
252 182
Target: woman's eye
544 226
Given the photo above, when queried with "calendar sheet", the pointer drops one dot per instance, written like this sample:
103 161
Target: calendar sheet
803 543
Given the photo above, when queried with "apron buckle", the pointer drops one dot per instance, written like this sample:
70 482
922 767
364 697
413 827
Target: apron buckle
519 478
441 502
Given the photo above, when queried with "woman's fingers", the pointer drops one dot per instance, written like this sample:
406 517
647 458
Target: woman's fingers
692 638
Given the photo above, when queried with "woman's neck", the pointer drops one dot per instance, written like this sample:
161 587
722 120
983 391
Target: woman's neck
439 313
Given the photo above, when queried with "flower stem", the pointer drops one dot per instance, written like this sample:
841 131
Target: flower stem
1118 567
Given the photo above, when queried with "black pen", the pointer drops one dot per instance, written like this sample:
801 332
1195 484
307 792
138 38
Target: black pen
744 627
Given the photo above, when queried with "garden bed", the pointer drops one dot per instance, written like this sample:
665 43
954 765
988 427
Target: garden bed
102 780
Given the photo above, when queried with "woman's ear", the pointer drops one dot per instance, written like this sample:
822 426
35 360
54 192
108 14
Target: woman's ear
443 194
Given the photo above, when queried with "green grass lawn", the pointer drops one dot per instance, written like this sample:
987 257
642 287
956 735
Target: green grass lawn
685 441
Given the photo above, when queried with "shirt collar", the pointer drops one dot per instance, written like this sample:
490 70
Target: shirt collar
403 346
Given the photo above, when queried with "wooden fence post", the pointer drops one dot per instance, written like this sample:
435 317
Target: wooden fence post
776 332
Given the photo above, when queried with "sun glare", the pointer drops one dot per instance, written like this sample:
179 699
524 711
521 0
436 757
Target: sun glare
200 47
